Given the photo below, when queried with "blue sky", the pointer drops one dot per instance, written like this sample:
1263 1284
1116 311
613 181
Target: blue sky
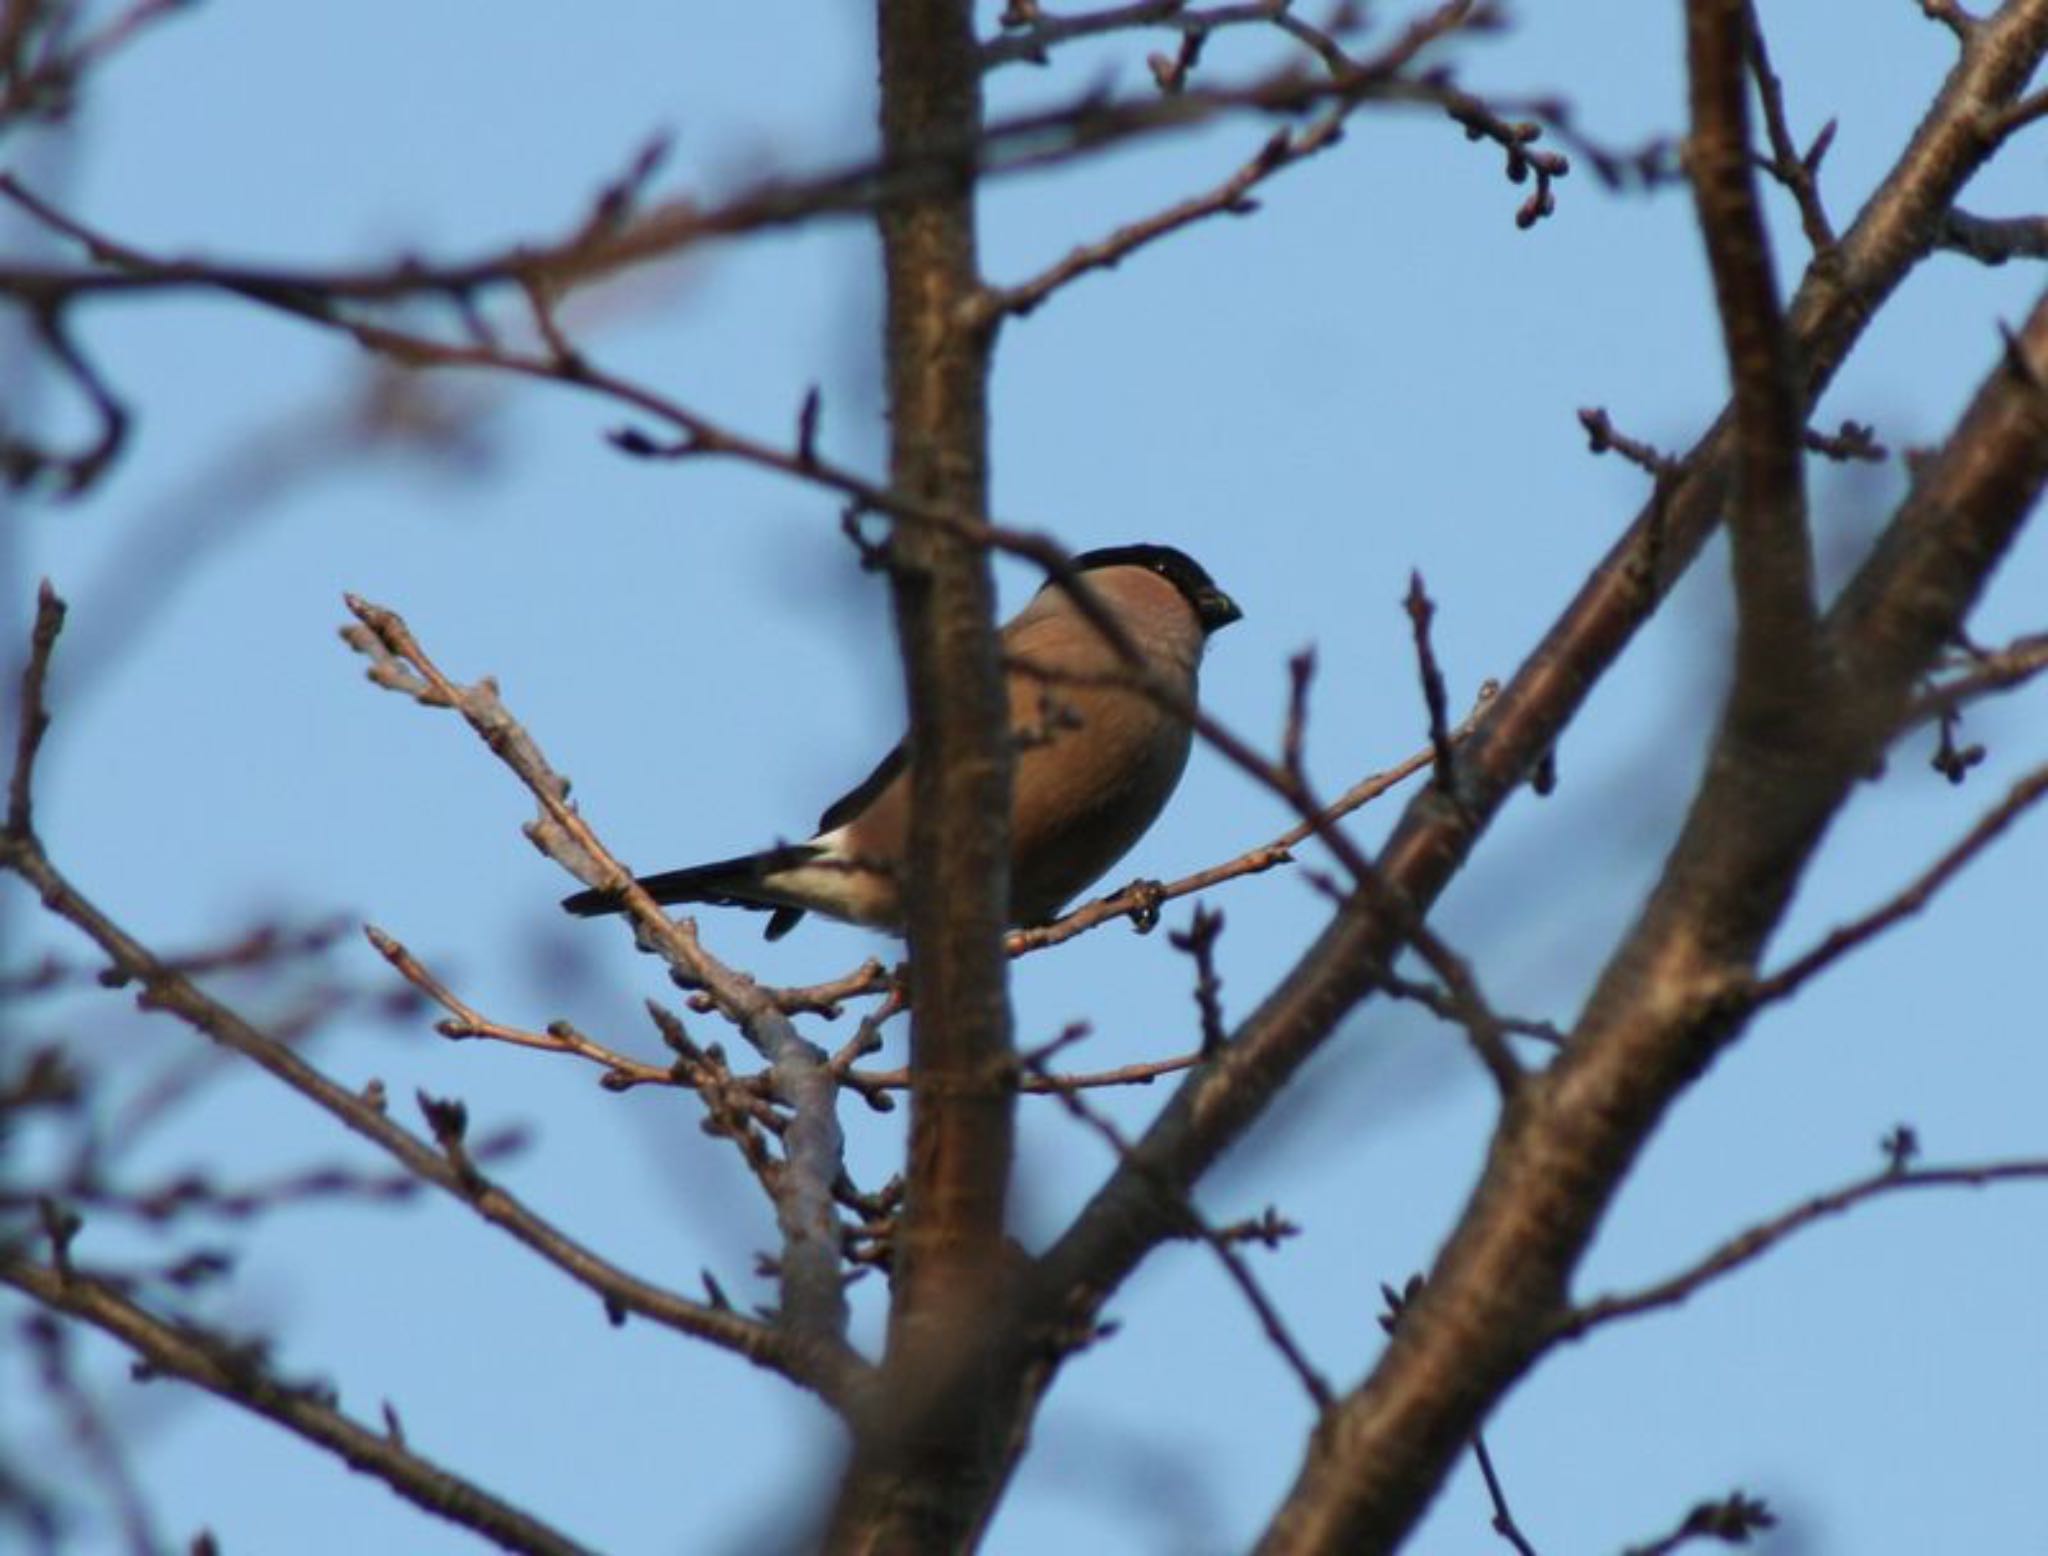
1376 373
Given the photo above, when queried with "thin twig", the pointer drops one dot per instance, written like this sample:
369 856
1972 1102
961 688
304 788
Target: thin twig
1312 1382
1421 612
1603 438
1232 197
1841 941
1288 780
813 1294
826 999
35 711
620 1072
1729 1521
238 1375
1030 36
1852 443
1198 940
1141 900
49 87
1142 1073
96 1442
735 1108
1440 1003
1748 1246
1504 1523
827 1368
1796 171
613 235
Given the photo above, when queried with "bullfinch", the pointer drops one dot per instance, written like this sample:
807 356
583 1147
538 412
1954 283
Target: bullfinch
1096 761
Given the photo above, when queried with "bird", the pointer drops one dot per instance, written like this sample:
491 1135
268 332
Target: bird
1096 761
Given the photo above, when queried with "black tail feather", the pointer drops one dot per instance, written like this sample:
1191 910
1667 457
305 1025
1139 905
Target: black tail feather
726 883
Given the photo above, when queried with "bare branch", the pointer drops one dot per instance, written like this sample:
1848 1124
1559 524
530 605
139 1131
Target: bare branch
35 711
1853 442
1141 1073
196 1193
736 1108
1446 1006
1730 1521
90 1433
2017 116
823 1366
949 1269
1198 940
1504 1523
1994 240
826 999
1602 437
620 1072
1421 612
1748 1246
1981 675
1194 1224
1776 615
23 462
1798 172
615 234
1369 1479
1232 197
1468 1007
48 87
1030 33
239 1376
814 1300
1142 900
1906 605
1522 726
1952 15
1840 942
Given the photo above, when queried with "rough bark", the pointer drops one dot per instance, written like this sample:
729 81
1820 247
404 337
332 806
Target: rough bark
925 1460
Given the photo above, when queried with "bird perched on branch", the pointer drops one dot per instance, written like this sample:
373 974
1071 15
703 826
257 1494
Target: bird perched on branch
1097 759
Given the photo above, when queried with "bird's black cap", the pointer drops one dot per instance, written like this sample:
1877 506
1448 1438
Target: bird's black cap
1212 606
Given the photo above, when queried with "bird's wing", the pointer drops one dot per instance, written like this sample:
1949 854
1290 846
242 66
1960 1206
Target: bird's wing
862 794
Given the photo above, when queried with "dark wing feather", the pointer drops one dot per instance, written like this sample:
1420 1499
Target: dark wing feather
862 795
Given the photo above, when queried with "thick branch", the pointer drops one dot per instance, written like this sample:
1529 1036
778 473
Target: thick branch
1421 1415
1961 515
1828 315
1995 239
1775 612
928 1456
1673 995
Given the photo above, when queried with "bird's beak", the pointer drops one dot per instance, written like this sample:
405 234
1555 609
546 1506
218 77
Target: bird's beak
1218 610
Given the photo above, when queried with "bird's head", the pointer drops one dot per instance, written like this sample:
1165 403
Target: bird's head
1212 607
